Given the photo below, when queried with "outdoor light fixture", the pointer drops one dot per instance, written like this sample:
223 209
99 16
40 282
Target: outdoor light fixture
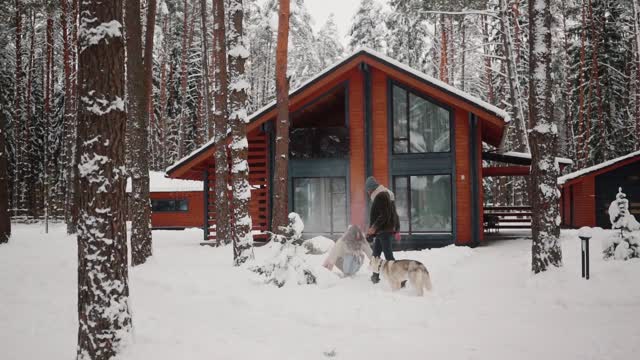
585 234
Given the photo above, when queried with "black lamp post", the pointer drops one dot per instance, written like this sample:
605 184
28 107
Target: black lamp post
585 234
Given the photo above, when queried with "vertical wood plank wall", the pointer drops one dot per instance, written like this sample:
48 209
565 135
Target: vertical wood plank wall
380 127
480 224
584 202
462 181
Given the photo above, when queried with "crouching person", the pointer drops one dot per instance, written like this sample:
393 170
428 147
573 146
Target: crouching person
349 251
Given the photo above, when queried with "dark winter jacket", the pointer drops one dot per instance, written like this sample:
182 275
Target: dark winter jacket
383 215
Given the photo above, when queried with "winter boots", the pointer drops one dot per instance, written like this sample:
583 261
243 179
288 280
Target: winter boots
375 278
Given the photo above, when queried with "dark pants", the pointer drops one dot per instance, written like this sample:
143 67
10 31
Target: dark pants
382 242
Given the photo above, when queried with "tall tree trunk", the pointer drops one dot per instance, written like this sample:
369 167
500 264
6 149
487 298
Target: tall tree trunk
162 116
487 61
206 94
104 318
636 24
139 72
580 153
281 172
183 82
543 135
463 53
443 50
220 115
238 117
5 219
19 119
68 117
48 94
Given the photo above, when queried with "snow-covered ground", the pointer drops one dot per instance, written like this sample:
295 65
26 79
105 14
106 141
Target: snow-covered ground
189 303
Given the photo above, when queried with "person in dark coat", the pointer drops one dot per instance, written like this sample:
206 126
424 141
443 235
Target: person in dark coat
384 222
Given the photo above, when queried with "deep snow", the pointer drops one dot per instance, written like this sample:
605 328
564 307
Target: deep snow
188 302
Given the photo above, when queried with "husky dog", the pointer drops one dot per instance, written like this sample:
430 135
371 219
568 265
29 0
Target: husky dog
397 271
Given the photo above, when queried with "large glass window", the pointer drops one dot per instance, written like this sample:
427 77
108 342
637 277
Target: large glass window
172 205
423 203
321 203
419 126
319 143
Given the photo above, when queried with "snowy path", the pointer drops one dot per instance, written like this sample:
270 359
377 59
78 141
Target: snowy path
188 302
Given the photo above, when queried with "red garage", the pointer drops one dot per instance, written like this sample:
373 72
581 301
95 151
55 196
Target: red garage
587 193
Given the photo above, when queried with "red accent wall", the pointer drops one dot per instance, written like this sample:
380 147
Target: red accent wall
357 165
380 127
192 218
584 202
463 179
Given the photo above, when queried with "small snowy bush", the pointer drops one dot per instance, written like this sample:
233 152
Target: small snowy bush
287 264
623 244
318 245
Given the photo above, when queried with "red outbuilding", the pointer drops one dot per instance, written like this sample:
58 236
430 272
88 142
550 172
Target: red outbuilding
175 203
371 115
587 193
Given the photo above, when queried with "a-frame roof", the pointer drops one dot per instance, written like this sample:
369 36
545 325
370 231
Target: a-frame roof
600 168
483 110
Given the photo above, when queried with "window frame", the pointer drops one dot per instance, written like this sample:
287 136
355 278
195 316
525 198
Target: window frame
451 198
174 210
408 91
331 193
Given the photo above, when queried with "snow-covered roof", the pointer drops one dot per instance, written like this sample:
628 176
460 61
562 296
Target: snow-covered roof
521 155
590 169
384 58
158 182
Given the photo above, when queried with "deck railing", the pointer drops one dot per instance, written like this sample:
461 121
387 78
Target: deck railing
506 217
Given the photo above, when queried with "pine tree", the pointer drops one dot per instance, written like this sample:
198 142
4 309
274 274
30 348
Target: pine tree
330 49
139 73
238 117
543 134
220 116
281 173
5 220
103 311
368 27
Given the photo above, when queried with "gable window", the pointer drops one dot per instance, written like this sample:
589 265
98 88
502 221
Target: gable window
419 125
169 205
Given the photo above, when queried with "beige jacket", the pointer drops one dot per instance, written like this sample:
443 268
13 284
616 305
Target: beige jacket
340 249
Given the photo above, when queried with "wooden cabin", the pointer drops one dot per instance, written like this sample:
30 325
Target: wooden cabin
587 193
371 115
175 204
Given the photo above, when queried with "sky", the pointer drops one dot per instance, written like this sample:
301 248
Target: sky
343 11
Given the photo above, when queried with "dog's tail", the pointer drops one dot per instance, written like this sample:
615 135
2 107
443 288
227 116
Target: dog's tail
426 281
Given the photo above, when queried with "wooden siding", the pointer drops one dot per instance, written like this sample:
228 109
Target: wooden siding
258 178
194 217
380 127
584 202
463 177
357 167
480 224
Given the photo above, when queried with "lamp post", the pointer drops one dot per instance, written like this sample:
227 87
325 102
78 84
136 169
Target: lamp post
585 234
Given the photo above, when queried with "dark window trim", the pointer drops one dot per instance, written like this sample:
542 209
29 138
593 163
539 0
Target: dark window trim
409 90
410 232
331 193
170 211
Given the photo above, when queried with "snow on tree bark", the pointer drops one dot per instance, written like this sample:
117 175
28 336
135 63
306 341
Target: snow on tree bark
636 26
281 177
19 118
238 117
104 319
139 72
208 121
543 134
220 116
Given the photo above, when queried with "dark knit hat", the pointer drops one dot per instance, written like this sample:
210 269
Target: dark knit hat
371 184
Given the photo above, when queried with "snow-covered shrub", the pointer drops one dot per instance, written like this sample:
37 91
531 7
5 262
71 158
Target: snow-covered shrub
318 245
288 263
623 244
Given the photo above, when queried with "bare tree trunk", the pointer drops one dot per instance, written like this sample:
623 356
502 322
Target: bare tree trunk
68 117
162 119
19 119
5 219
487 61
281 172
205 67
139 72
636 19
183 81
443 50
223 211
543 135
103 291
49 69
238 117
581 138
463 53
